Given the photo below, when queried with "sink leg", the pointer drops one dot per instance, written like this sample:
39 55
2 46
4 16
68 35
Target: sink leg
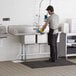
22 52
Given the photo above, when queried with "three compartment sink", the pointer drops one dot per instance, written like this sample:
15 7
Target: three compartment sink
3 31
22 30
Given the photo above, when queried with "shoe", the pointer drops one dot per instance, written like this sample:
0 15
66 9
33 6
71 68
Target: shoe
51 60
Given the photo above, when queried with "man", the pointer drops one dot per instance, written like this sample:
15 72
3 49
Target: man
53 21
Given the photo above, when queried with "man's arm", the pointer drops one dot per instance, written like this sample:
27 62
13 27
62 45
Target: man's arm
42 29
44 26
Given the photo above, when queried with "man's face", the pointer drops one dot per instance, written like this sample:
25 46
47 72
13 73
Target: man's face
49 12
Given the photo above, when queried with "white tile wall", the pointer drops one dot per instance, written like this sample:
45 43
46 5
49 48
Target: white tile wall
32 49
44 48
73 25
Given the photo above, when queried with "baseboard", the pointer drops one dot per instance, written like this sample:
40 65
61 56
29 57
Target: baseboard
37 59
35 56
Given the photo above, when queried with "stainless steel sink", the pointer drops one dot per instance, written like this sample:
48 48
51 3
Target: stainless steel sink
21 29
3 31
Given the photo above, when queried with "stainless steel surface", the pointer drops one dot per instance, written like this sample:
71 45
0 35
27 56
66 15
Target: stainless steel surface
3 31
27 35
22 30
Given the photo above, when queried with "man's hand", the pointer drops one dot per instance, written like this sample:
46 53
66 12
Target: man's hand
40 31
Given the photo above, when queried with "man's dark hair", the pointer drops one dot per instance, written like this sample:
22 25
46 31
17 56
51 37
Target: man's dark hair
50 8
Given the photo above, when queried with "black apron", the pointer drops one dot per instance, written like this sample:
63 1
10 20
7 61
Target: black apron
50 36
52 41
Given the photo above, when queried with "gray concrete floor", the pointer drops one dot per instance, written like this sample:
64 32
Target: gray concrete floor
9 68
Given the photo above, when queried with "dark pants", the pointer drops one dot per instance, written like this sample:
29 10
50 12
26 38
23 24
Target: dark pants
52 41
